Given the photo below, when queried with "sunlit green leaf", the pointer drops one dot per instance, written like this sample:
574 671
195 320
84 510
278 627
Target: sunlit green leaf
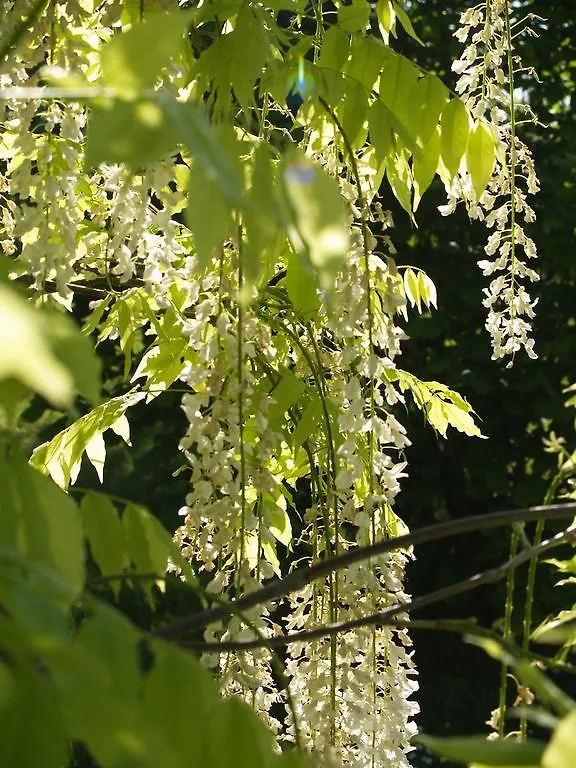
480 156
400 177
301 285
214 149
284 394
404 19
208 215
177 676
278 522
386 15
398 79
380 130
455 129
425 166
427 100
367 57
320 219
133 61
412 288
62 456
558 631
354 17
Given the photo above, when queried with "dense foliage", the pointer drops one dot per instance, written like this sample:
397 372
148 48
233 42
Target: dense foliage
211 180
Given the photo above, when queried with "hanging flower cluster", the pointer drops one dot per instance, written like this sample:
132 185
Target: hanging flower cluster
242 248
486 70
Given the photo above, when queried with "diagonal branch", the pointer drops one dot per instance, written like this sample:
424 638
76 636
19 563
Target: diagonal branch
386 617
299 578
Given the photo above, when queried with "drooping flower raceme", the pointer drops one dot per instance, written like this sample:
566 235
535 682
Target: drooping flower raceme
486 70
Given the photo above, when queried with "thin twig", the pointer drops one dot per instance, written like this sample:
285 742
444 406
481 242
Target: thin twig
299 578
384 617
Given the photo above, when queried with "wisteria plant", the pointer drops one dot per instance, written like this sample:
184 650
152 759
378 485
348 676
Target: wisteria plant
209 175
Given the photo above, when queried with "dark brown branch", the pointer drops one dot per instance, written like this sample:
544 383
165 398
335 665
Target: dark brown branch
386 617
305 575
98 288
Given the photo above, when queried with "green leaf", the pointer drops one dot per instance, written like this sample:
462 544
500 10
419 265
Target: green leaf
380 123
425 166
412 288
427 100
76 352
480 156
32 730
44 623
400 177
62 456
352 112
321 227
27 352
427 290
309 420
334 54
455 129
111 639
301 285
460 419
561 751
561 630
278 522
214 149
404 19
251 745
367 57
162 364
6 685
386 15
285 394
133 61
41 522
530 676
397 81
354 17
502 752
105 535
249 34
149 545
99 683
136 133
208 215
177 677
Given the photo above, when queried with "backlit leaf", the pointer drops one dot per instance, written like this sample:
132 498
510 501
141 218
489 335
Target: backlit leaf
404 19
455 129
424 167
354 17
480 156
62 456
320 219
133 61
427 100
